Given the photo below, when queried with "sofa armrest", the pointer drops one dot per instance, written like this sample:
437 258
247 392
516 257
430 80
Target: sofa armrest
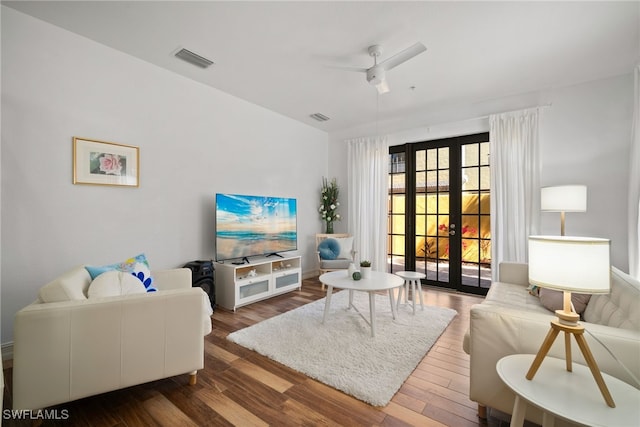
514 272
497 331
64 351
175 278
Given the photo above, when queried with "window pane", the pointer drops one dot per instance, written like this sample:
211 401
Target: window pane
470 155
484 153
443 180
432 159
397 224
398 183
432 225
485 178
443 158
421 160
443 203
397 203
470 179
432 181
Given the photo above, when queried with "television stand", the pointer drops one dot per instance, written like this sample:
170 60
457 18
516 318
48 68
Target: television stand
243 261
274 254
238 285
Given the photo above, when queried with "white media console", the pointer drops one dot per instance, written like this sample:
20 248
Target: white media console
242 284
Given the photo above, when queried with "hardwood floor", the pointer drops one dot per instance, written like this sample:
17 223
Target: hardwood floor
240 387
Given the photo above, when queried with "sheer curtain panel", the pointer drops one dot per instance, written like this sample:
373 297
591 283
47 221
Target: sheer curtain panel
368 160
515 183
634 182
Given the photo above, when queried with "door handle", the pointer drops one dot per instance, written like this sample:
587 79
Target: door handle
452 233
452 229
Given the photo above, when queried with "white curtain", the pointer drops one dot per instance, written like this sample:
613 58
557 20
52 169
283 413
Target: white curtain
634 183
368 160
515 176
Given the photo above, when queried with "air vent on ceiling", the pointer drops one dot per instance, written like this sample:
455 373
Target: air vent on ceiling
193 58
319 117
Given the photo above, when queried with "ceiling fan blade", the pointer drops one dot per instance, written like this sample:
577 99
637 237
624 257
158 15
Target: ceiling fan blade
342 68
403 56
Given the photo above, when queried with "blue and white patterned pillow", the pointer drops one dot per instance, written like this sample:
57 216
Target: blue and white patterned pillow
137 266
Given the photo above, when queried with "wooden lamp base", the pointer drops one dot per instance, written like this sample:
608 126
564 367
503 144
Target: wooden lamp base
564 324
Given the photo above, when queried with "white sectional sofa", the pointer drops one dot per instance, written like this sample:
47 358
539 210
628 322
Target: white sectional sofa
512 321
78 346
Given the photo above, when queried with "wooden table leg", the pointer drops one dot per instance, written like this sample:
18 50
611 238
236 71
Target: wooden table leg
327 302
548 420
519 409
393 305
372 312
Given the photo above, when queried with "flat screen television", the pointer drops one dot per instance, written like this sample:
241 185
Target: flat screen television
254 225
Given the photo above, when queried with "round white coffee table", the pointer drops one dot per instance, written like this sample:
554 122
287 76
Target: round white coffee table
377 281
573 396
411 280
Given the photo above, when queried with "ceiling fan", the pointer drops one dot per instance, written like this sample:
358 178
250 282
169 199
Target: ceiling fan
376 75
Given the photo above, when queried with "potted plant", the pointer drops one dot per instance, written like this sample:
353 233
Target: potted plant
365 268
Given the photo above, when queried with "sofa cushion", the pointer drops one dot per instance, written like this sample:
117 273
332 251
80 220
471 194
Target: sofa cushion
115 283
335 264
329 249
620 308
70 286
513 296
137 266
554 300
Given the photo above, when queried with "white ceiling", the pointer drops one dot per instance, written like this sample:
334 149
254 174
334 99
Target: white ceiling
280 54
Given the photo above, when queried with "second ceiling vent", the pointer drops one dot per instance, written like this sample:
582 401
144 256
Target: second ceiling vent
193 58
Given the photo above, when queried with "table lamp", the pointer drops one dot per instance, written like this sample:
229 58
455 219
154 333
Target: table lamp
570 264
563 198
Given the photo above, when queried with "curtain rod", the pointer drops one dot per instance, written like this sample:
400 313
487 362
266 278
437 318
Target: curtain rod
486 116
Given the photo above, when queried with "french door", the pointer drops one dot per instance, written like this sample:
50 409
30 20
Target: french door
439 211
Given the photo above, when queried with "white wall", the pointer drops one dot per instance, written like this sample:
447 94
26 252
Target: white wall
194 141
585 137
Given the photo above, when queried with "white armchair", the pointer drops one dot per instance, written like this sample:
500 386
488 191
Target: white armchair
80 347
340 258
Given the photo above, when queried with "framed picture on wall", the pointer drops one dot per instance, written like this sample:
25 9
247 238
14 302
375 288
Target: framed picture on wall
105 163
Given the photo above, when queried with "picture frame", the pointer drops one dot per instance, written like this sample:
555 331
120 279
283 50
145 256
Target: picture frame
105 163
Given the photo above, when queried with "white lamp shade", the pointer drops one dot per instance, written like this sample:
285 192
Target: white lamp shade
574 264
564 198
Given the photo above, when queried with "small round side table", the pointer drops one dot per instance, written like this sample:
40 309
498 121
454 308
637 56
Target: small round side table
411 279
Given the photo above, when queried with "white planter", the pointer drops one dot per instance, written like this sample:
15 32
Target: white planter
351 270
365 271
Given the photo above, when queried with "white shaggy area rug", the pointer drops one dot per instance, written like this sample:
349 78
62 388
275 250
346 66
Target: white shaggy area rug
341 353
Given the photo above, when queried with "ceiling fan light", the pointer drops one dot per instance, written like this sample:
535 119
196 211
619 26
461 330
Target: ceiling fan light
382 87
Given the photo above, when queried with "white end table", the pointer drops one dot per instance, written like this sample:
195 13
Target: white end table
573 396
411 280
377 281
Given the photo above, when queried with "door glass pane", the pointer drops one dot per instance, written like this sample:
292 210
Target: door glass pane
421 160
397 203
432 182
470 179
484 153
470 153
443 158
443 180
485 178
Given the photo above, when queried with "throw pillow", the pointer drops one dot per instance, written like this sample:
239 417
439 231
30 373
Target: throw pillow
552 300
329 249
137 266
115 283
346 245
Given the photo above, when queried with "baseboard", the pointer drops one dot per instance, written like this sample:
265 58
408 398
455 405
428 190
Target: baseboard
7 351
